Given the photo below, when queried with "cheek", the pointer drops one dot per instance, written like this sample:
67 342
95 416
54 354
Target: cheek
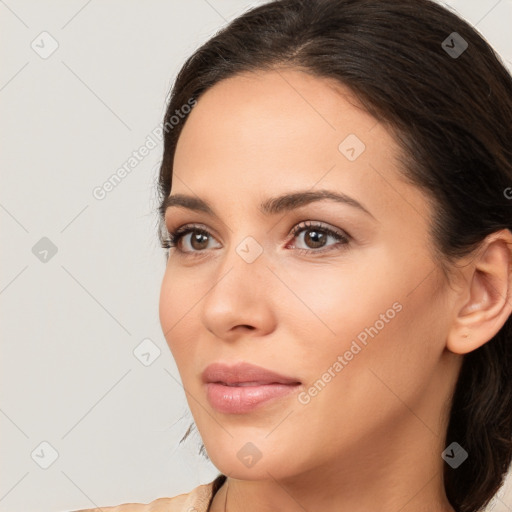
175 308
332 305
366 317
355 377
165 304
179 313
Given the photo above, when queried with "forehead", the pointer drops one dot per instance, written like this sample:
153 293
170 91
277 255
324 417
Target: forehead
269 132
275 111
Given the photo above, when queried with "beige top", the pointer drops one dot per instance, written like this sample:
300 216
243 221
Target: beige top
197 500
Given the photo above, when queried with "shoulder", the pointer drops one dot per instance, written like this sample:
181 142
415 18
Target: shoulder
197 499
174 504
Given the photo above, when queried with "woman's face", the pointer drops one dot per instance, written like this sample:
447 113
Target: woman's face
360 322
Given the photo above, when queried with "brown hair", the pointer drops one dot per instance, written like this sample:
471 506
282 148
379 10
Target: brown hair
450 108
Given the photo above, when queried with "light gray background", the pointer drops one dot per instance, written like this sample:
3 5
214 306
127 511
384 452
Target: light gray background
70 324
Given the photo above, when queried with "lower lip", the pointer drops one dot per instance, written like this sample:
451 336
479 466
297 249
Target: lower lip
242 399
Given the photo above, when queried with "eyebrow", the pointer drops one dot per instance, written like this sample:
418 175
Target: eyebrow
271 206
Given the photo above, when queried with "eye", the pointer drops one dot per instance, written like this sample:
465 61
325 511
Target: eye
315 237
198 241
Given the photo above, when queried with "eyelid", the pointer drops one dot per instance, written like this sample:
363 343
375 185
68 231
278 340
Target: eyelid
343 238
304 224
184 230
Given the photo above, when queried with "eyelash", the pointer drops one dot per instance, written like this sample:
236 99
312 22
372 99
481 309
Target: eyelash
173 238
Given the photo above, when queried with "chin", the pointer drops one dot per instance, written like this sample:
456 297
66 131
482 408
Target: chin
247 462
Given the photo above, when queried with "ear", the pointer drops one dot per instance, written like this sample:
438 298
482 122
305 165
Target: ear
486 295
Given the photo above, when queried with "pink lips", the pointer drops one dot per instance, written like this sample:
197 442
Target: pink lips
240 388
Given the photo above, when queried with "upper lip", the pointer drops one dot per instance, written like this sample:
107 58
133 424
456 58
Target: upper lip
243 372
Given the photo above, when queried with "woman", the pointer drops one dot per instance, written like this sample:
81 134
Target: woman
337 292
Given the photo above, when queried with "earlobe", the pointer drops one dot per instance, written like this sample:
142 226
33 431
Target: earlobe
487 295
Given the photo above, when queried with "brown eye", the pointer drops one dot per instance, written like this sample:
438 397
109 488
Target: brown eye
316 237
198 240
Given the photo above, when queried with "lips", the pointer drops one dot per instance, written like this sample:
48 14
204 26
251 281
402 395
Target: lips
244 374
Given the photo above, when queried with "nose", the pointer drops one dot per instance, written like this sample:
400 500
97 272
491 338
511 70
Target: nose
241 297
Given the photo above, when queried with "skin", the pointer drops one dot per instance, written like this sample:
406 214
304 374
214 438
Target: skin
375 433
